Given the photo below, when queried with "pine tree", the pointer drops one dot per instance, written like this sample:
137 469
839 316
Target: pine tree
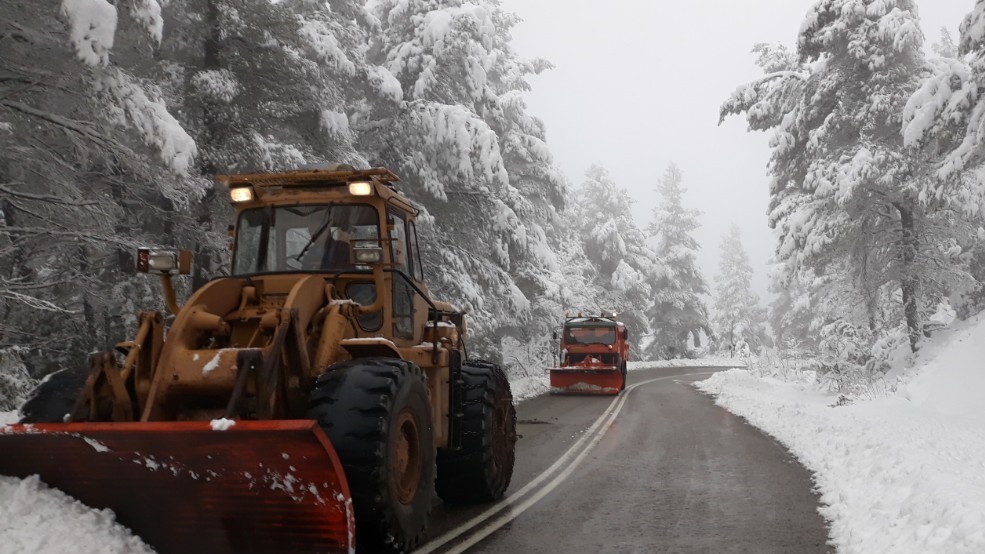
473 159
621 265
848 197
91 162
945 46
739 320
677 314
264 85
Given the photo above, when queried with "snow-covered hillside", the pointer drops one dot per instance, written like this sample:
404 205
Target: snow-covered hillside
901 473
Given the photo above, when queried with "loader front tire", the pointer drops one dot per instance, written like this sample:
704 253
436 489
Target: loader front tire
480 471
377 414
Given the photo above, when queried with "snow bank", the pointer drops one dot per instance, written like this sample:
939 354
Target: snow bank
8 417
949 378
903 473
34 518
699 362
526 388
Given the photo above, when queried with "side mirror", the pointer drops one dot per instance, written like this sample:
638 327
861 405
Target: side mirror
625 334
164 262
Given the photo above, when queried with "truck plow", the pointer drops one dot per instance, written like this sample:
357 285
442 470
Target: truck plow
257 486
587 379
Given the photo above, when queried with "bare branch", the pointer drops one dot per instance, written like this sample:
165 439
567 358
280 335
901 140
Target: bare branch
69 124
6 187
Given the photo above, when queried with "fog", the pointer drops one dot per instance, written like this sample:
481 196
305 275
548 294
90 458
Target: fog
637 85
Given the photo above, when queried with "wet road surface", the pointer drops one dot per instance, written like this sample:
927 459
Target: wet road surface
669 472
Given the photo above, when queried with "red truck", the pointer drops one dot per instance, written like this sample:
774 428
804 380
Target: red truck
594 351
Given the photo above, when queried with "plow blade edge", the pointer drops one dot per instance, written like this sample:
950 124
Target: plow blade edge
586 381
259 486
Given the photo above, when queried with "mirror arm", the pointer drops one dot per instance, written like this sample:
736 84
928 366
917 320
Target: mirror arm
169 298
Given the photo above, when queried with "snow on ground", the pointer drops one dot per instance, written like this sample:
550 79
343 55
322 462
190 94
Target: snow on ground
684 362
902 473
34 518
526 388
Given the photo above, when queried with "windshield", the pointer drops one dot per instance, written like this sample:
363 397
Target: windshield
303 238
590 335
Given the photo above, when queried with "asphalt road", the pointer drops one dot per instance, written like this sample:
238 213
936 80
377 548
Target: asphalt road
667 471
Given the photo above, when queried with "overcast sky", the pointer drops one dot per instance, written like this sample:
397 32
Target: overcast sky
637 85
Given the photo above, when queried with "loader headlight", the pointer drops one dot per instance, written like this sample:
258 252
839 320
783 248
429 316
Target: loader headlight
368 256
241 194
361 188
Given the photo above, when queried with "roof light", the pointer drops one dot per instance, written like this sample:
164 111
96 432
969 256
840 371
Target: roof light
361 188
241 194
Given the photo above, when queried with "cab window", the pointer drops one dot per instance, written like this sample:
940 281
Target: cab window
403 293
418 267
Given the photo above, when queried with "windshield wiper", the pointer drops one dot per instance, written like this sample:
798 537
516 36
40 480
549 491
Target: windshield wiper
313 238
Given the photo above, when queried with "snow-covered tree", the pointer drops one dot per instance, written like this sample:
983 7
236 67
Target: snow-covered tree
948 111
740 321
264 85
92 161
473 158
677 314
848 195
945 46
622 266
943 120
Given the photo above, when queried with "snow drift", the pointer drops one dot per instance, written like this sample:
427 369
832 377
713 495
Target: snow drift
902 473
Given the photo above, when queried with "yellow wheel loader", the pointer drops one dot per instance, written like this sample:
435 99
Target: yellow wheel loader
313 401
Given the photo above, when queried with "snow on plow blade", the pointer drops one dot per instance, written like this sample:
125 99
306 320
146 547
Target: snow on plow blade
574 380
260 486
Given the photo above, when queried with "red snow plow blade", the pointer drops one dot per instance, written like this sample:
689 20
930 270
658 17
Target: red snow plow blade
586 380
260 486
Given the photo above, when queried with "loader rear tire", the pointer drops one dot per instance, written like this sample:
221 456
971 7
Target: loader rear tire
377 414
480 471
55 397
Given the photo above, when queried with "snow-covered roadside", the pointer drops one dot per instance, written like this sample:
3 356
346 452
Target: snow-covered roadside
525 388
903 473
685 362
35 518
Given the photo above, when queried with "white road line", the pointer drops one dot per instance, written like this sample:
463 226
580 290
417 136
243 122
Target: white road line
588 441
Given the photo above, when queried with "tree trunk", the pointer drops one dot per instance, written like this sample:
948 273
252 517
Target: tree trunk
909 282
211 138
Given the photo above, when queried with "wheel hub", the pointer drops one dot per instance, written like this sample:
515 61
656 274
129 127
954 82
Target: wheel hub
405 462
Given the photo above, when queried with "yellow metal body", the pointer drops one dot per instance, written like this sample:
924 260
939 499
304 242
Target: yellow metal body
283 329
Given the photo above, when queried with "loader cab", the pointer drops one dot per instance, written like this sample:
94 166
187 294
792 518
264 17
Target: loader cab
352 227
309 238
